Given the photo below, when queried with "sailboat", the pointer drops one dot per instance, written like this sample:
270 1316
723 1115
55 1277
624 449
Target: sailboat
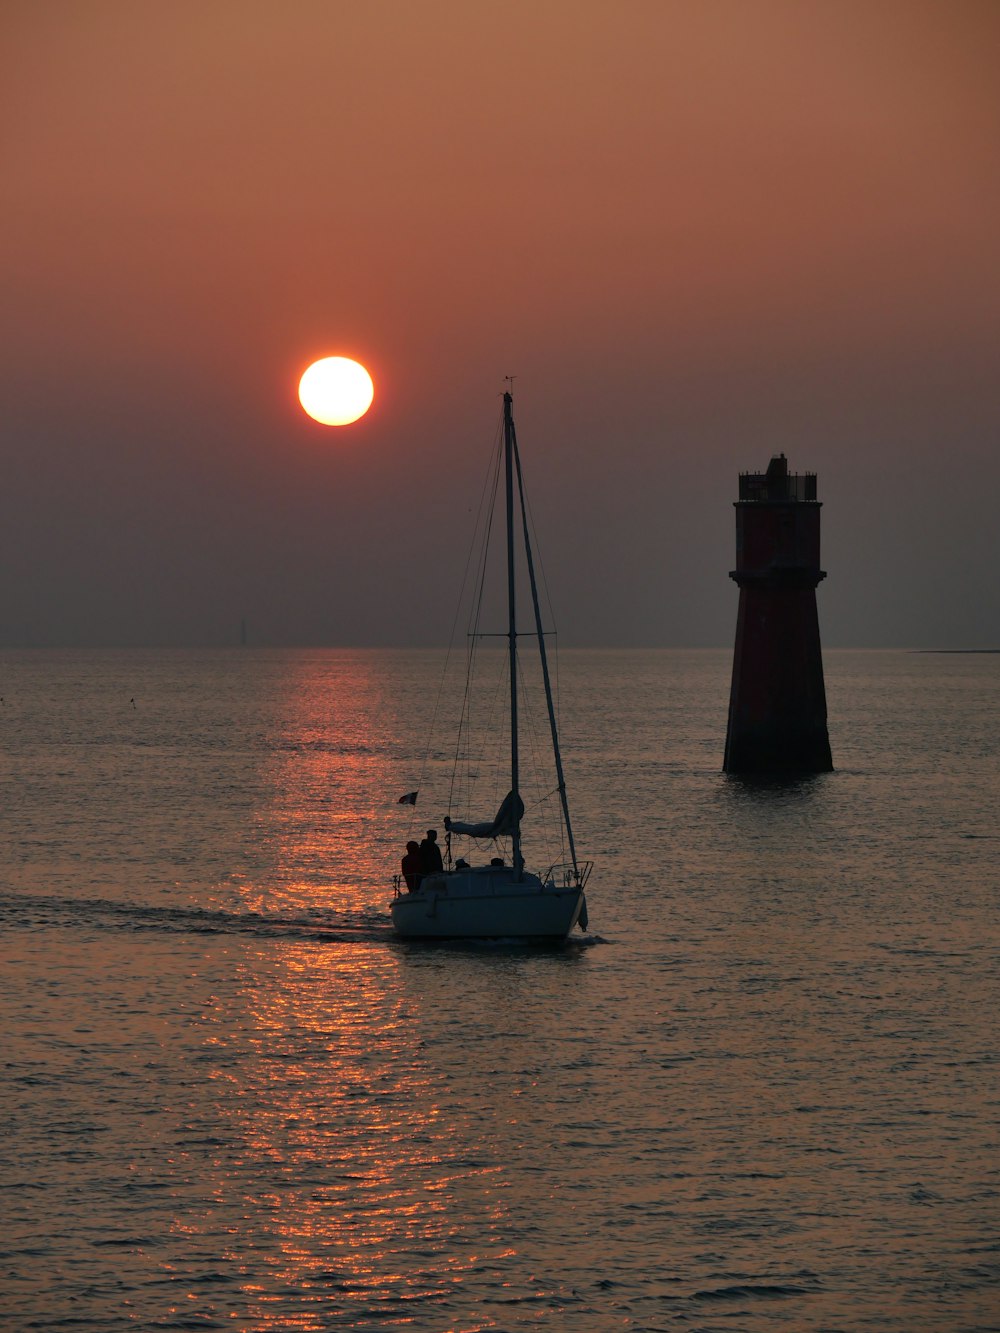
502 899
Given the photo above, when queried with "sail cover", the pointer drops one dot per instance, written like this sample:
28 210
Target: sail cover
492 828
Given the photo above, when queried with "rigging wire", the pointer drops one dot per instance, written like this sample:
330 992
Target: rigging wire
487 502
487 496
538 766
540 566
550 705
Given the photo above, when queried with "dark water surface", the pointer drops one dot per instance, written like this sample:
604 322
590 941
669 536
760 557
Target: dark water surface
762 1093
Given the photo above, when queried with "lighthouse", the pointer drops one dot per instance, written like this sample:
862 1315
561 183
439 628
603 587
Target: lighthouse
777 704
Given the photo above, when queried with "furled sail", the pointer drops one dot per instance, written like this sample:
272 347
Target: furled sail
511 810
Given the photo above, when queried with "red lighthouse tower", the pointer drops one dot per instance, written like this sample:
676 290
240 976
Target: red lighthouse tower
777 705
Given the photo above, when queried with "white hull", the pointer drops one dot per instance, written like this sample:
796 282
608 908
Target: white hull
487 903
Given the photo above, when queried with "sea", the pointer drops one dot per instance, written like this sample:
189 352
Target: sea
759 1092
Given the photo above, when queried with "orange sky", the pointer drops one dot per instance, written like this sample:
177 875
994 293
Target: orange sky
697 232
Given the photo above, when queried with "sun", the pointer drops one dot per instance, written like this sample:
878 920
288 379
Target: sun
336 391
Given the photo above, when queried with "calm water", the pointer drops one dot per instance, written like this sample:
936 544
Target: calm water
762 1093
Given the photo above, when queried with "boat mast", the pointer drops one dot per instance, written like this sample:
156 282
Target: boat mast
508 449
560 776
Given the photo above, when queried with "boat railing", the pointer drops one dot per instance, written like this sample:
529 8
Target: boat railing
565 875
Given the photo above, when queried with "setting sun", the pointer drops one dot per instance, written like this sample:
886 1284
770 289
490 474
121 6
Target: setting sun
336 391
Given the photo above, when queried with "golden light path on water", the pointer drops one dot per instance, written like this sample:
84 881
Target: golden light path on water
358 1162
364 1174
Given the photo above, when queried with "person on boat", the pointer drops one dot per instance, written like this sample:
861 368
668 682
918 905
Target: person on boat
430 854
412 863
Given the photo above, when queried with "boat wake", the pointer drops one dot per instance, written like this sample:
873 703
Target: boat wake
48 912
34 912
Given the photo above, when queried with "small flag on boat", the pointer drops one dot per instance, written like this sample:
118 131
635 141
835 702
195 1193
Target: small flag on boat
409 799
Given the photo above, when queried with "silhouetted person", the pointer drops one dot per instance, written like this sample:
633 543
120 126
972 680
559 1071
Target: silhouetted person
412 863
430 854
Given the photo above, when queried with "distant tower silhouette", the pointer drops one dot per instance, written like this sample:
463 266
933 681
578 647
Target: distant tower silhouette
777 705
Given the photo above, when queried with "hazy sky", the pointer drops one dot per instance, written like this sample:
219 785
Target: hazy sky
698 233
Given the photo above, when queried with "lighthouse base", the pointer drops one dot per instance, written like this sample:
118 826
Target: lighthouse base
777 705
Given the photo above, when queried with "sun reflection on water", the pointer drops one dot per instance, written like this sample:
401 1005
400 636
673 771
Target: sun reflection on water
363 1175
328 830
348 1138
